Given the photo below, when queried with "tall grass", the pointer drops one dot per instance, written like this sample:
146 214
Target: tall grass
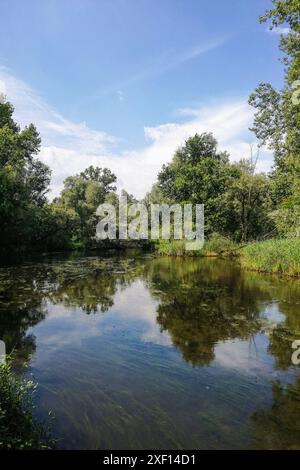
280 256
173 248
216 245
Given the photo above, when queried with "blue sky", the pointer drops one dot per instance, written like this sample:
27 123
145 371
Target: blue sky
122 83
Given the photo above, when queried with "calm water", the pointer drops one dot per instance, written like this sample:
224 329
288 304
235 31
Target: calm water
133 352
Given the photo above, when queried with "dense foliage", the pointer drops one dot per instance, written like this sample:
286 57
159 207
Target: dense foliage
18 428
237 200
28 221
277 119
240 203
24 182
81 196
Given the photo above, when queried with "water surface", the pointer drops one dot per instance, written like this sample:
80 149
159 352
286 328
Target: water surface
133 352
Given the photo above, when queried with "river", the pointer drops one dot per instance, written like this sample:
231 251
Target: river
136 352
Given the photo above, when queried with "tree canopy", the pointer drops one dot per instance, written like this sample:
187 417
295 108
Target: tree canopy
277 118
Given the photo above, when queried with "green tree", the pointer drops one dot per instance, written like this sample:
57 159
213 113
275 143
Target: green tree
248 204
199 174
277 118
24 182
154 196
81 195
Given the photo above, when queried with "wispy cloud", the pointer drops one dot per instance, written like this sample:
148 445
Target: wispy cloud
30 107
172 59
159 65
69 147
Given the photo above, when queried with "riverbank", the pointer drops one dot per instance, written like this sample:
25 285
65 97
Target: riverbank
216 246
18 428
276 256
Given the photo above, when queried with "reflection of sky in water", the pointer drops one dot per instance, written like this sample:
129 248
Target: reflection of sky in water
248 357
133 311
133 318
272 313
115 379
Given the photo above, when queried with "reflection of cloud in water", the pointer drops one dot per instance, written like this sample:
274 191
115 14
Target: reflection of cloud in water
66 325
69 325
272 313
136 303
249 357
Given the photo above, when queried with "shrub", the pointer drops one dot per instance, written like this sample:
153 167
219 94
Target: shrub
218 245
18 428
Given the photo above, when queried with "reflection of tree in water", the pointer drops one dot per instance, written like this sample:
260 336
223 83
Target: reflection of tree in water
284 297
92 294
21 307
279 426
87 283
201 304
283 335
280 346
93 285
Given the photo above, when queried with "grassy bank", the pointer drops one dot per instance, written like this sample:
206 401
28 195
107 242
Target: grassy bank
18 428
173 248
281 256
217 245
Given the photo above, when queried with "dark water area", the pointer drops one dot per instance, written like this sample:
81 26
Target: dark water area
134 352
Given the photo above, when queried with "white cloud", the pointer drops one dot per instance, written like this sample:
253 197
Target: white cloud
279 30
242 356
136 303
69 147
54 128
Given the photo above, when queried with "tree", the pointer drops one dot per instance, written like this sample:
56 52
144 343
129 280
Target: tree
199 174
248 203
24 182
82 194
277 118
154 196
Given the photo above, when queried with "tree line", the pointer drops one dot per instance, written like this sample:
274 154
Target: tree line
239 202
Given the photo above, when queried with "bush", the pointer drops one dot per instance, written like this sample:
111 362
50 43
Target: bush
218 245
18 428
